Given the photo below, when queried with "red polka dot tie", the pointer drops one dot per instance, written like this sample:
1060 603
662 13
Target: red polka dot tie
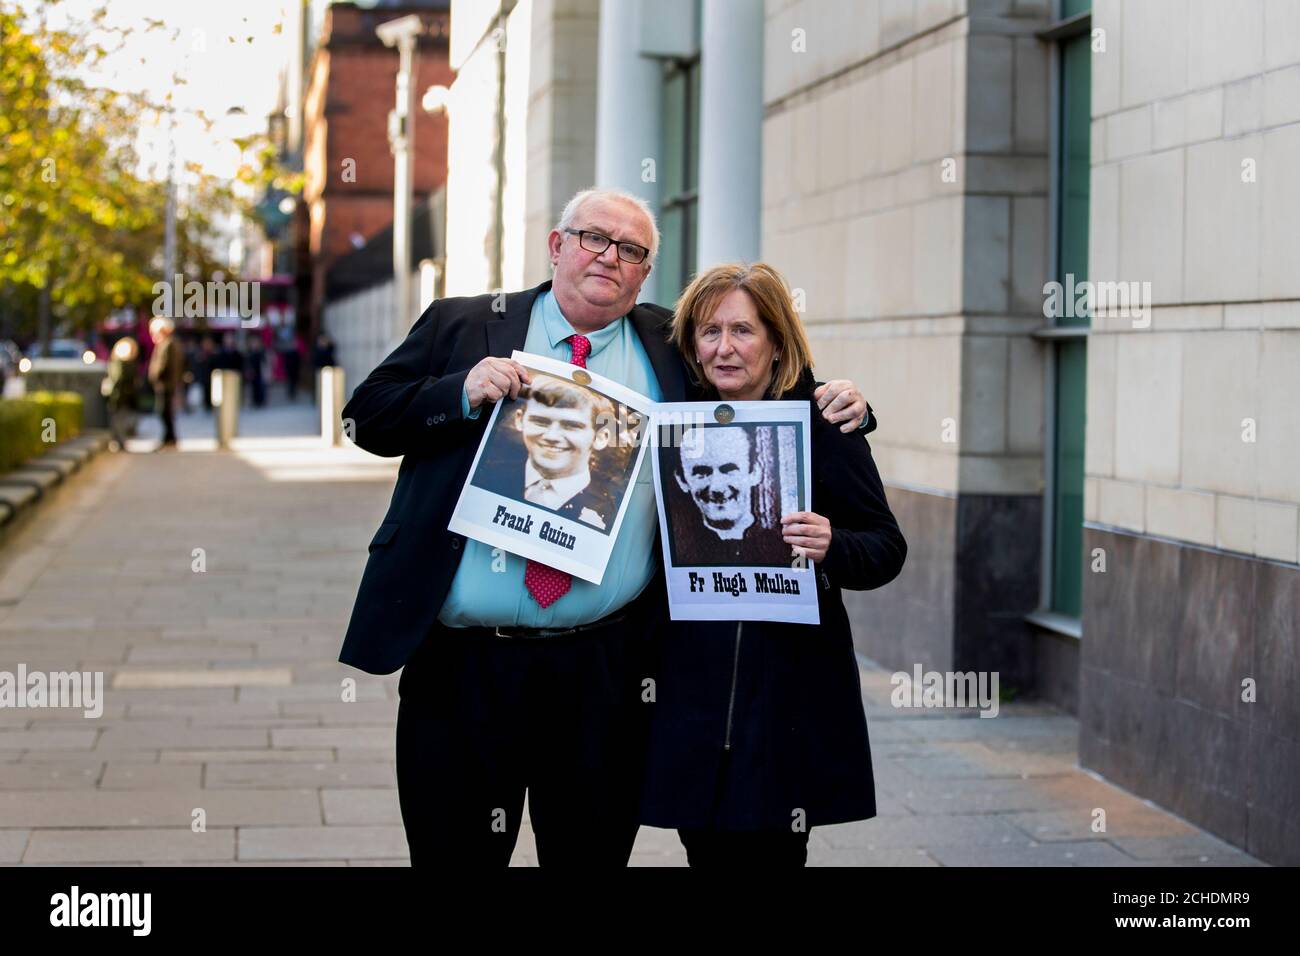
544 583
581 346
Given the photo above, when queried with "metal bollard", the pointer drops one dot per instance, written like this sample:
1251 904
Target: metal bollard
331 405
226 390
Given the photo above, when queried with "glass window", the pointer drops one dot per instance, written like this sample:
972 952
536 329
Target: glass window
672 172
1075 167
678 173
1073 151
693 127
1067 505
671 279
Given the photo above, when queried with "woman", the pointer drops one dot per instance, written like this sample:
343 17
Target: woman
758 731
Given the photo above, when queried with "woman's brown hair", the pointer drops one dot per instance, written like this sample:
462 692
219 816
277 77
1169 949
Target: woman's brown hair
772 300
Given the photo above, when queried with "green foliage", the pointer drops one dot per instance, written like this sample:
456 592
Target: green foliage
22 424
20 432
76 215
64 407
73 214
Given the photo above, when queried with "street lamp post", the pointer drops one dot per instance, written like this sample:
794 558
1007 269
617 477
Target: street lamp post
402 33
169 212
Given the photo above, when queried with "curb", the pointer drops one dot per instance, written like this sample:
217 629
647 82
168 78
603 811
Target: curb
23 488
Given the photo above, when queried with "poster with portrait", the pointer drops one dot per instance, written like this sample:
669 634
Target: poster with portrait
553 474
725 473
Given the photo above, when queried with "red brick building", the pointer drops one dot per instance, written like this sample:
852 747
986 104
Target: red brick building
347 164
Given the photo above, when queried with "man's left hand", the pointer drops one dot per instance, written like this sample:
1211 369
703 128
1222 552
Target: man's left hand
840 401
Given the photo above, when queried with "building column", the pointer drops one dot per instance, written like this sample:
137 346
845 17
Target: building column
731 132
629 93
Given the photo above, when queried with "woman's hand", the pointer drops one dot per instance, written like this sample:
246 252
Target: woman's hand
808 533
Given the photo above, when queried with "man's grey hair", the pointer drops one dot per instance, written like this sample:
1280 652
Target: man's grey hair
572 207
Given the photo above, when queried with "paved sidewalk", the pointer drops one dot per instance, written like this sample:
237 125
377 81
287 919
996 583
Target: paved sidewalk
223 694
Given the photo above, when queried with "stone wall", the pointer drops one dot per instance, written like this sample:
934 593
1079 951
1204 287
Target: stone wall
1193 443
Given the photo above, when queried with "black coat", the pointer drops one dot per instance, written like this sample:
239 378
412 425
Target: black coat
410 405
755 722
229 360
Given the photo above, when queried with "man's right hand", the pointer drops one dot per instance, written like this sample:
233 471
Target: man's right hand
494 378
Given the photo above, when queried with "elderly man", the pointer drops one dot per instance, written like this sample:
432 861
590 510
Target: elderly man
516 677
166 369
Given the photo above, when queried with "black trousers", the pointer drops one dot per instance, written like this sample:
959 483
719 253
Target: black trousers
484 719
292 368
760 849
748 849
166 398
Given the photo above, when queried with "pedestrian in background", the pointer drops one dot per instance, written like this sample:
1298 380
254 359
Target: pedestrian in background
292 359
204 365
322 356
190 350
229 356
257 370
119 387
166 372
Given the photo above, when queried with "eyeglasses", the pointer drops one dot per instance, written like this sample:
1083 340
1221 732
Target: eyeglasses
595 242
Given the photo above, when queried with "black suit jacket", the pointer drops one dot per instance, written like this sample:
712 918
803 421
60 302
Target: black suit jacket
410 406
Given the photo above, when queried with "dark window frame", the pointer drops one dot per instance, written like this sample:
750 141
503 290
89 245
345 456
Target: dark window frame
686 199
1056 336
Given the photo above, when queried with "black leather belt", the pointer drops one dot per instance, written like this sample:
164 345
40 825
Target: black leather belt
526 632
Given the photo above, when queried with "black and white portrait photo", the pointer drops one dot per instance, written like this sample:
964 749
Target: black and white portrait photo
554 468
561 446
725 474
730 480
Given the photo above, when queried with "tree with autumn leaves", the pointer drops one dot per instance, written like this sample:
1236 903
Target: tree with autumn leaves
81 227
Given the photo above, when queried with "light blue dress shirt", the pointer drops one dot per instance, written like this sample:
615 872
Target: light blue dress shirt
481 596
